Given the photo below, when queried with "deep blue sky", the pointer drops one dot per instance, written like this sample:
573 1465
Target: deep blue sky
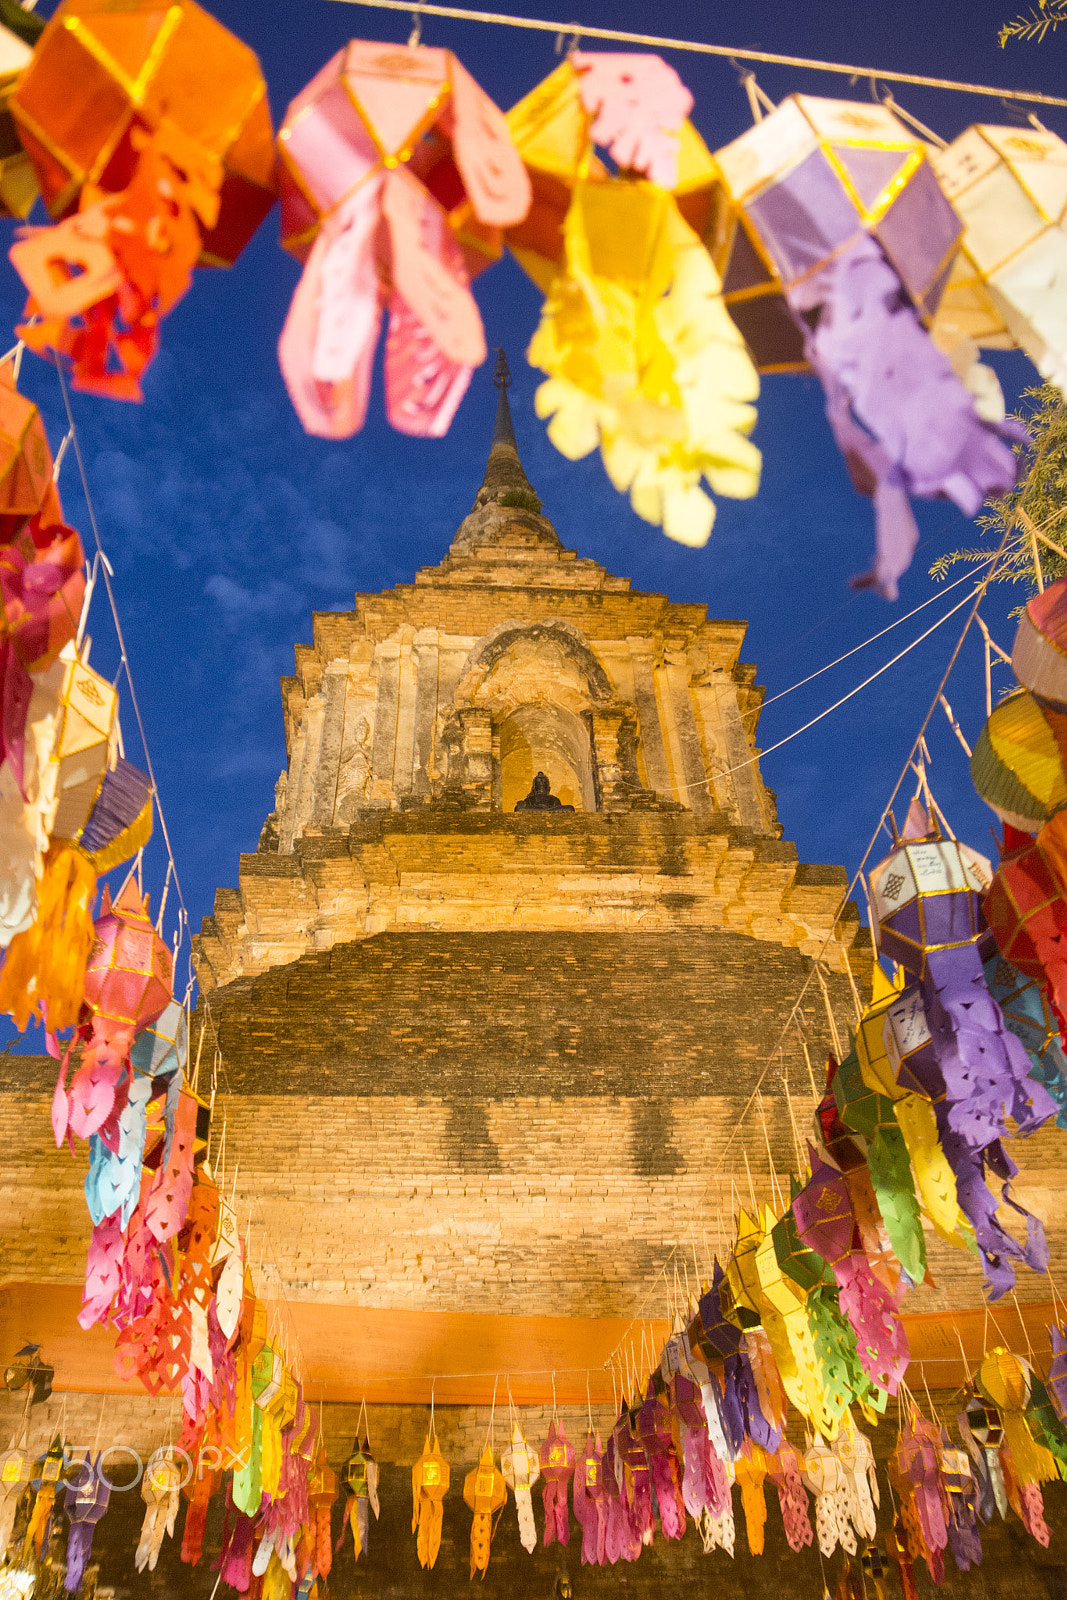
227 527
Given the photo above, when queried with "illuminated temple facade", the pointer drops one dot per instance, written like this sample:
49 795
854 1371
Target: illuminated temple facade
481 1067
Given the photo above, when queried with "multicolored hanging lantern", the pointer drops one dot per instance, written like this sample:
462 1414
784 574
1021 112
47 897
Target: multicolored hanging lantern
149 131
641 355
1009 187
397 174
848 218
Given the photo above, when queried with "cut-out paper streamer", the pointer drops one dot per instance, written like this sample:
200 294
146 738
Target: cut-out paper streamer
429 1484
397 176
486 1493
844 216
949 1035
641 355
1009 187
521 1469
149 131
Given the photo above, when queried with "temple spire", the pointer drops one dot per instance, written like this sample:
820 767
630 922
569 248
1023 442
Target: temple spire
503 472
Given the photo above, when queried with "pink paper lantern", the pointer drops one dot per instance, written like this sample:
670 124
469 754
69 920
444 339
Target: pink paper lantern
397 176
129 976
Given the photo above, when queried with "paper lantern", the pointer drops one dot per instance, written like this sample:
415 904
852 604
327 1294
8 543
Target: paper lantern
44 972
1039 654
18 182
41 590
1027 1013
521 1469
784 1468
1018 761
129 973
926 898
361 1475
85 740
485 1492
590 1503
322 1492
104 69
389 157
824 1476
927 895
161 1048
641 355
827 1222
86 1500
160 1489
1009 187
655 1431
1003 1379
26 482
429 1484
872 1115
1057 1378
15 1469
750 1472
915 1466
850 221
1027 909
557 1466
155 119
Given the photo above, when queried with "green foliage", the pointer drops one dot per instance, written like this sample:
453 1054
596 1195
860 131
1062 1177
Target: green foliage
1042 494
1047 17
522 499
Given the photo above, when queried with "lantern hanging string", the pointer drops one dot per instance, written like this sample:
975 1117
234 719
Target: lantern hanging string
105 570
872 639
698 47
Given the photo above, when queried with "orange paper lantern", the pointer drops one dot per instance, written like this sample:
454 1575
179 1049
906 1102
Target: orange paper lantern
104 69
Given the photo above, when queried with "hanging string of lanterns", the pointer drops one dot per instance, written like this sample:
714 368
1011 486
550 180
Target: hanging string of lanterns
827 238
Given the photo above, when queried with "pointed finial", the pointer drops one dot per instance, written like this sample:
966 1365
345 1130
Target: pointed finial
502 375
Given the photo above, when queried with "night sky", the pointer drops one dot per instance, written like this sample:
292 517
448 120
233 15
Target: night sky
227 527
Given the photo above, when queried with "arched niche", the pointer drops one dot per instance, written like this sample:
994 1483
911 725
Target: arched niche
549 739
